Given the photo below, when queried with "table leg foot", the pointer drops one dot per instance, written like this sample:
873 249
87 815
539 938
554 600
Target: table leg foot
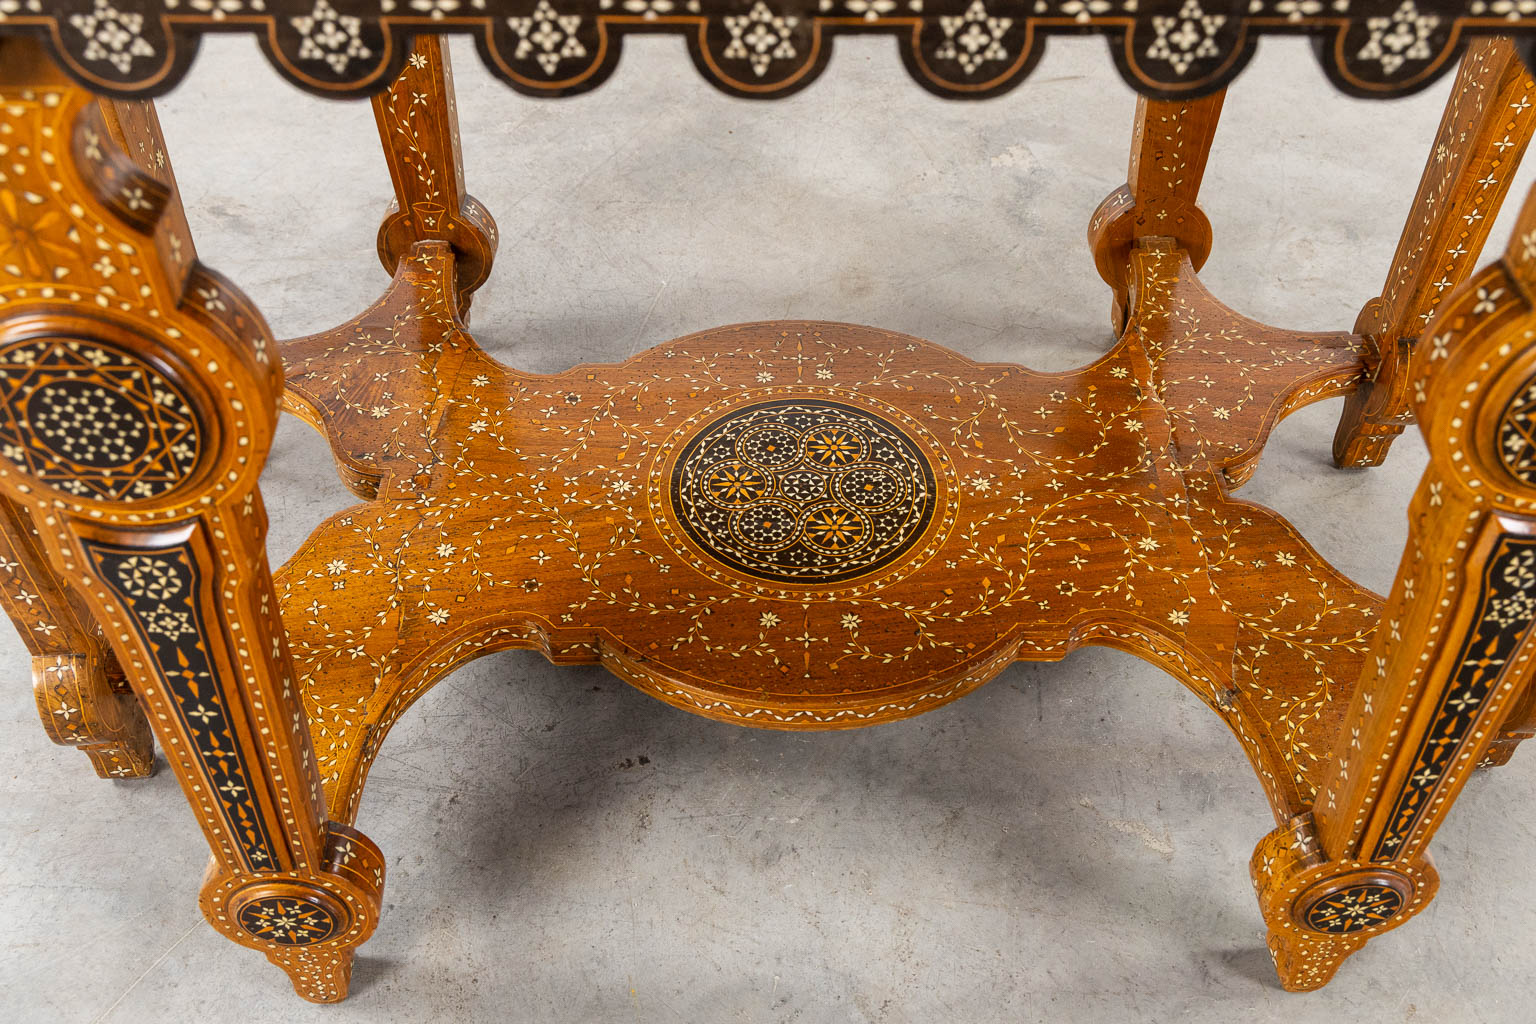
1320 910
1306 964
1360 441
317 977
309 923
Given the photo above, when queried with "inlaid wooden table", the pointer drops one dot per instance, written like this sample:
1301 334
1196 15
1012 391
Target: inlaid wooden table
793 525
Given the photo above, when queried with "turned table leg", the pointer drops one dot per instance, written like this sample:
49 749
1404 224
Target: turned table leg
138 399
1454 648
419 127
1169 148
1482 135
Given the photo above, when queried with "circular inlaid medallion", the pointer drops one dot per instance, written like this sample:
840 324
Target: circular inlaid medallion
803 490
94 420
1354 908
287 921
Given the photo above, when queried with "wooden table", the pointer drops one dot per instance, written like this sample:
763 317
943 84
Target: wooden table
794 525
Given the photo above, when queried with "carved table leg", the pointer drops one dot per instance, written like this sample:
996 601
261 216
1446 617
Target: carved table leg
419 126
1169 147
1454 647
81 696
1485 129
138 399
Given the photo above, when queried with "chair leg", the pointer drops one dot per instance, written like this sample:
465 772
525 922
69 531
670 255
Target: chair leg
419 127
1482 135
138 400
1169 148
1455 646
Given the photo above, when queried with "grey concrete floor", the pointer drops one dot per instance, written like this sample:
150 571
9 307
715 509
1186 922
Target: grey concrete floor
1069 843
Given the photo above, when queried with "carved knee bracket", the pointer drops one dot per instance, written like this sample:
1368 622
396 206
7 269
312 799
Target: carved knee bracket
81 695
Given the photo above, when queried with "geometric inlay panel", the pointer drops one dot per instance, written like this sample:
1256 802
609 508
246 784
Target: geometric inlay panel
93 420
1355 908
287 921
1517 435
763 48
158 588
803 491
1506 608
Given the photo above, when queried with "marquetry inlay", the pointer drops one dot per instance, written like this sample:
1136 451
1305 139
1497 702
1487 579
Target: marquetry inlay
803 491
287 921
1354 908
764 48
791 524
93 420
812 525
1517 434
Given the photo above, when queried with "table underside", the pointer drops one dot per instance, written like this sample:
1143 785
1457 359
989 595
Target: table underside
808 525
